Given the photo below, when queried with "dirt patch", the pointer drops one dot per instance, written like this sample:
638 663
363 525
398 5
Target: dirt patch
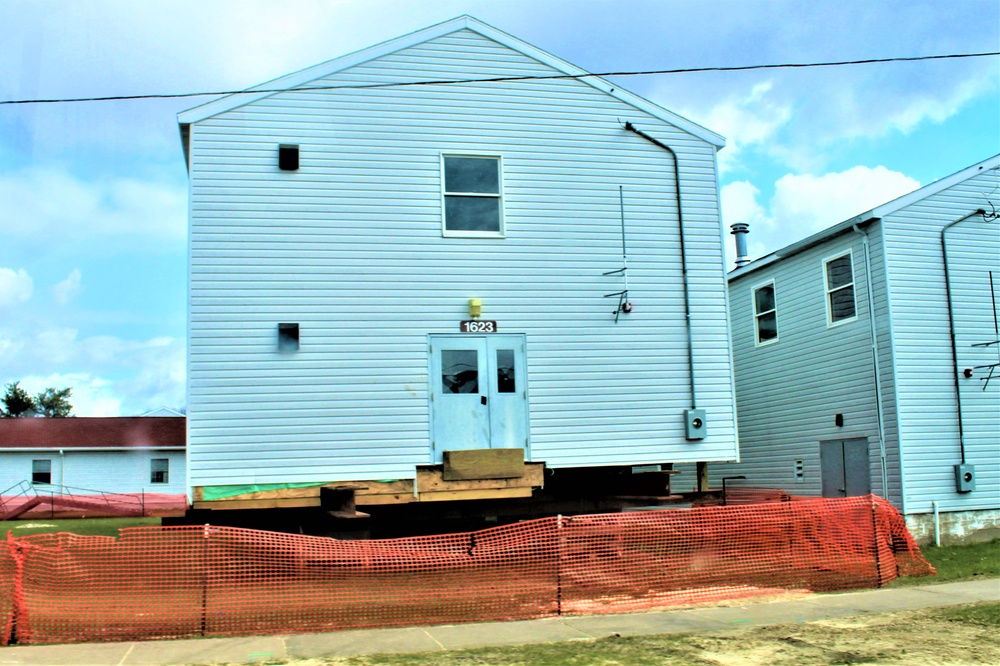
958 636
916 637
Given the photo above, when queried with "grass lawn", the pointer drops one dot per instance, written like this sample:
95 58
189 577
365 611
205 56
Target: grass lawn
954 563
81 526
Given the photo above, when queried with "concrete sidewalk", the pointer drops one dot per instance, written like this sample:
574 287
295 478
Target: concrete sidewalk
451 637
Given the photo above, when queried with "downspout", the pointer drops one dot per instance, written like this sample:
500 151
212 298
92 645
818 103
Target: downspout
684 263
875 363
951 325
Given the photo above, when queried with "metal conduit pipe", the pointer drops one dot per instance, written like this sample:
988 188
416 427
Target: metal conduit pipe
875 363
937 524
684 268
951 324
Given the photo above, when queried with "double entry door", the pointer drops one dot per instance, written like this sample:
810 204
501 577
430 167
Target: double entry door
844 467
479 393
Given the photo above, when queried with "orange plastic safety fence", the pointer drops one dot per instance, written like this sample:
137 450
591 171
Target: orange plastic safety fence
213 581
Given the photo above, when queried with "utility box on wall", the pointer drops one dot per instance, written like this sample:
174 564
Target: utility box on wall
694 424
965 478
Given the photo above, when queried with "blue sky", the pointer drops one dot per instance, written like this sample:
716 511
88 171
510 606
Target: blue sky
93 196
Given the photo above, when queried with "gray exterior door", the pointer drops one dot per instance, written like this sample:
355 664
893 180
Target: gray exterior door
478 393
844 467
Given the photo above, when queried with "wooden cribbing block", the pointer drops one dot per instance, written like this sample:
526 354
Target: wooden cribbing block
483 464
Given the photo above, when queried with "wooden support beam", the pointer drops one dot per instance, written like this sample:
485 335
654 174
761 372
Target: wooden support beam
702 470
259 504
456 495
430 481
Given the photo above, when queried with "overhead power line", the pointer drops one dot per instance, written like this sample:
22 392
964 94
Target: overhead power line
501 79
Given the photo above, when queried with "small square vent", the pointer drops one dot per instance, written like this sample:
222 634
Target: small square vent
288 157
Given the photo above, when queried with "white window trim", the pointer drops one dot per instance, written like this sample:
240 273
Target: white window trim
753 306
473 234
830 323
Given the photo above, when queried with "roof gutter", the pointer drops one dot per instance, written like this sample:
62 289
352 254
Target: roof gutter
684 263
951 323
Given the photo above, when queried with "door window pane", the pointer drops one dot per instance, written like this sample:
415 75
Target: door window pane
459 371
505 371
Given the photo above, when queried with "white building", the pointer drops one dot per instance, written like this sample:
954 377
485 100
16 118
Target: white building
417 249
867 358
91 457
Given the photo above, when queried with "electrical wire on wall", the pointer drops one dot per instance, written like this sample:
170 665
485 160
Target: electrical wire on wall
623 302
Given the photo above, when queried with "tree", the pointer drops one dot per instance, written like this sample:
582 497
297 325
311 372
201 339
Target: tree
17 402
53 403
50 402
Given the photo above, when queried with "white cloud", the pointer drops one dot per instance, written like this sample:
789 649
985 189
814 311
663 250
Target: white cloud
15 286
91 396
47 204
65 291
108 375
739 204
804 204
805 120
811 203
748 119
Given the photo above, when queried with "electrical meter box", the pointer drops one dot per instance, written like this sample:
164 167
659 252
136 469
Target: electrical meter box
695 426
965 478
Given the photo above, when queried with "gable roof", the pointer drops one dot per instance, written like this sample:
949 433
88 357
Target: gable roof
315 72
867 217
131 432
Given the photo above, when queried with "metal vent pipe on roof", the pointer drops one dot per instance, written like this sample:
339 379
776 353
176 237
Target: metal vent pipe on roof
740 230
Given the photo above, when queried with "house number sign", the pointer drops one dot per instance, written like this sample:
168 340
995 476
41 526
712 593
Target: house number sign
476 326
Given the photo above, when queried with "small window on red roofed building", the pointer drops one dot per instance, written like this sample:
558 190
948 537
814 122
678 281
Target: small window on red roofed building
159 470
41 471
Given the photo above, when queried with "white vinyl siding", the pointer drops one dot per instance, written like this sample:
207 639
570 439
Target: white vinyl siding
350 247
787 399
114 471
789 395
926 371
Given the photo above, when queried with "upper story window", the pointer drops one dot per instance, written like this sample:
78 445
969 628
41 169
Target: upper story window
472 196
839 274
765 313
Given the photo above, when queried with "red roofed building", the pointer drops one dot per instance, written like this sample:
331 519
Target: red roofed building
87 457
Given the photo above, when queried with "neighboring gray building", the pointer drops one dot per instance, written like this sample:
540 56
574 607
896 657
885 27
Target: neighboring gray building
834 401
344 223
